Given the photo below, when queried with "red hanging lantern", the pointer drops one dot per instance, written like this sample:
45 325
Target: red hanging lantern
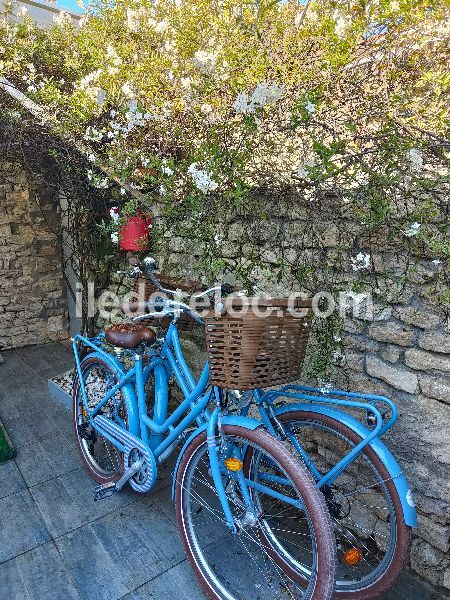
134 233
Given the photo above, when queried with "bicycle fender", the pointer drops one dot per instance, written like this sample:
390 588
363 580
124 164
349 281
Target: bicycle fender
383 453
127 390
245 422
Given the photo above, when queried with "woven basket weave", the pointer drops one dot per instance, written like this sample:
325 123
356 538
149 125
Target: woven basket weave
248 350
190 286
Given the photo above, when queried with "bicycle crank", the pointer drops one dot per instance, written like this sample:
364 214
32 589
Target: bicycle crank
106 490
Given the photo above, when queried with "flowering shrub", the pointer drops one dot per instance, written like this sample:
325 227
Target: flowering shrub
325 112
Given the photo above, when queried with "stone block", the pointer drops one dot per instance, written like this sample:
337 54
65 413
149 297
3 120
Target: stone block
391 354
393 333
354 361
438 535
429 562
435 387
426 361
420 318
435 341
401 379
446 581
55 324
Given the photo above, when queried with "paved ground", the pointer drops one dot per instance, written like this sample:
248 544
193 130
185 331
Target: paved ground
55 541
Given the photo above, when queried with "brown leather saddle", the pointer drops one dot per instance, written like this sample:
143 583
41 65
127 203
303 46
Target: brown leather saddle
129 335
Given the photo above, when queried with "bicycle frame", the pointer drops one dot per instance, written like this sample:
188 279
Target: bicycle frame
162 433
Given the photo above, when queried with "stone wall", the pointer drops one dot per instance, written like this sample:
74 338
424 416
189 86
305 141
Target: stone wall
32 293
402 351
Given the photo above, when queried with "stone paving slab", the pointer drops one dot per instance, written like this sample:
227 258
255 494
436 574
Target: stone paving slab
177 583
21 525
56 543
39 574
11 479
130 545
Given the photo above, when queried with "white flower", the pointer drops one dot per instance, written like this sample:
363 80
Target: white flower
241 103
123 191
310 107
111 52
127 90
360 262
133 23
205 61
114 213
436 262
161 26
202 179
93 135
62 18
266 93
80 3
413 229
115 237
88 79
340 26
303 169
101 95
91 157
162 190
206 108
325 387
101 184
186 83
395 6
23 10
167 170
415 158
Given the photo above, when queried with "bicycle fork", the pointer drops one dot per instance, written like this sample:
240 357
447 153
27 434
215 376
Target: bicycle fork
232 468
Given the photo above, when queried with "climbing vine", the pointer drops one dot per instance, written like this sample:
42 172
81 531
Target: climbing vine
280 144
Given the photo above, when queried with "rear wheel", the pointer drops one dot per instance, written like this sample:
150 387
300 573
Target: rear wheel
237 566
101 458
372 539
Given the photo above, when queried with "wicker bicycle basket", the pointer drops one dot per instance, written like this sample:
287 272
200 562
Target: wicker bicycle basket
256 343
146 288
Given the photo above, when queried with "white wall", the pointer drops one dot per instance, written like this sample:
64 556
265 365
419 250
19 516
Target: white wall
43 12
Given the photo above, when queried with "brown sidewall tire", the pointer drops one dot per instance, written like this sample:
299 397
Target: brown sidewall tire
401 554
98 477
314 502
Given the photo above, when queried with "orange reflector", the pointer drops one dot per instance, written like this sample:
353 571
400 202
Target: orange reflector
352 557
233 464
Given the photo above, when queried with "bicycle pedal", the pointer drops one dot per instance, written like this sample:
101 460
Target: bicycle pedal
104 491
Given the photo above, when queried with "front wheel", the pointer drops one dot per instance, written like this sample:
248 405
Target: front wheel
237 566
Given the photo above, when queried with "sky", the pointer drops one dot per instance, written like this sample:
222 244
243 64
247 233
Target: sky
69 5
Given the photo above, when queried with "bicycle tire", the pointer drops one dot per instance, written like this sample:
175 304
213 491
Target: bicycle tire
314 502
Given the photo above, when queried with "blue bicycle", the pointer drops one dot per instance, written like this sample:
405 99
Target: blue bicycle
237 488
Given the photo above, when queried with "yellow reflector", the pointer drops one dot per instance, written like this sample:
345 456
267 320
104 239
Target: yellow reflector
233 464
352 557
